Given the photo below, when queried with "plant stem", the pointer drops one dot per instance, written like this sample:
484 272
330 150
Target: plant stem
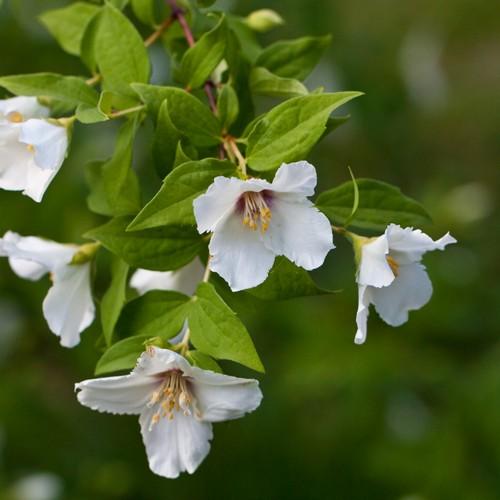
159 31
123 112
178 13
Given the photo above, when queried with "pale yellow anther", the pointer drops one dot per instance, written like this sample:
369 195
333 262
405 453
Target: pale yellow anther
15 117
174 395
256 212
30 148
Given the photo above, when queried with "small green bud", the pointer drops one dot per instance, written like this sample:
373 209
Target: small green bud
85 253
264 20
357 242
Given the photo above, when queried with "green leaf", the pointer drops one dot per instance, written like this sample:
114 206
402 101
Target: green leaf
67 25
67 89
189 115
88 42
289 131
181 156
122 356
162 249
286 281
203 361
217 331
158 313
119 4
245 37
379 205
166 138
120 52
205 3
114 298
144 10
200 60
227 106
173 204
114 185
294 58
355 201
263 82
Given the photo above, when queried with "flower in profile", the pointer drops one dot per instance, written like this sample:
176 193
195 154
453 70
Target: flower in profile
391 277
253 221
177 404
183 280
68 306
32 149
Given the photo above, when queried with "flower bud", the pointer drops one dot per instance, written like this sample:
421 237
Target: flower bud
85 253
264 20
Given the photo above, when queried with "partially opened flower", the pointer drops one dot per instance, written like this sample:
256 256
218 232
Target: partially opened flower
68 306
183 280
253 221
177 404
391 276
32 149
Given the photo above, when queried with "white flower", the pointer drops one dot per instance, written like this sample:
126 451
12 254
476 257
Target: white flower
177 404
253 221
31 149
391 277
183 280
68 306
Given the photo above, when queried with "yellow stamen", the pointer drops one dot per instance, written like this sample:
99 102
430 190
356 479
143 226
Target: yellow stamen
255 210
393 265
173 395
15 117
30 148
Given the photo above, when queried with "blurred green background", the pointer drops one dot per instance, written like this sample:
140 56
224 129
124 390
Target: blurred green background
413 414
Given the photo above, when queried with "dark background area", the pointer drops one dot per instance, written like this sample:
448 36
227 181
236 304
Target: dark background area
414 413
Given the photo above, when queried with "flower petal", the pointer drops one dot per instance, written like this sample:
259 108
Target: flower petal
156 360
364 300
37 181
409 245
68 307
239 255
219 200
27 269
50 142
222 397
28 107
411 290
299 177
300 232
184 280
177 445
15 159
126 394
49 254
374 270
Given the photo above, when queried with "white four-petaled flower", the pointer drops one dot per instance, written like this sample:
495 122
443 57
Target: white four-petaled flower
177 404
68 306
31 148
391 276
253 221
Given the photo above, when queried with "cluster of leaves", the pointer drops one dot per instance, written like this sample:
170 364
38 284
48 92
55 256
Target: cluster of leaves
218 69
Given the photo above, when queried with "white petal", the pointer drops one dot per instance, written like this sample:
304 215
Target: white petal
411 290
177 445
300 232
126 394
28 107
184 280
219 200
364 300
222 397
27 269
374 270
38 180
408 245
68 307
50 142
15 159
49 254
239 255
156 360
299 177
